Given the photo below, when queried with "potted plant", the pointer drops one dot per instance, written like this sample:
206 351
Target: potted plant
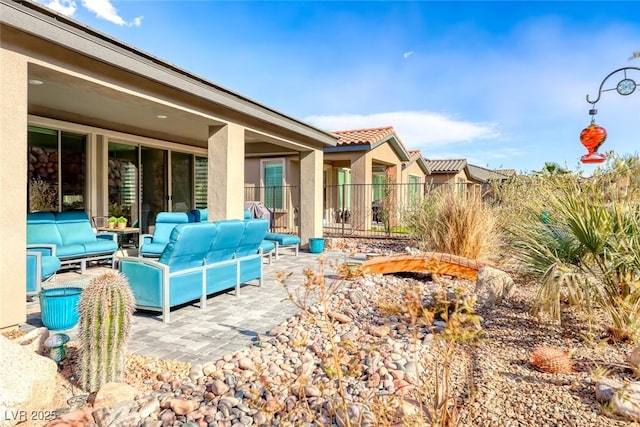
111 222
122 222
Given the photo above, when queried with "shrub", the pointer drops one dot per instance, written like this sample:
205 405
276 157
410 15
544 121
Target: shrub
457 224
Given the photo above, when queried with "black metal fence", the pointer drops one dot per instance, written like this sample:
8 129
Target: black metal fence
356 210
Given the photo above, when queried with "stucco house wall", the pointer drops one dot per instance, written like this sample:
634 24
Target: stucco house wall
96 86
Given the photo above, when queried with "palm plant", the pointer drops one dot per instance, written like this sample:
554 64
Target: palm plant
589 253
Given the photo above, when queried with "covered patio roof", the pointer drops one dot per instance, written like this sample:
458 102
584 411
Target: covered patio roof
93 79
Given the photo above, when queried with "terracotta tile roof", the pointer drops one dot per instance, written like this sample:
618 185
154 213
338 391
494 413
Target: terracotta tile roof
364 136
447 166
483 174
507 172
415 154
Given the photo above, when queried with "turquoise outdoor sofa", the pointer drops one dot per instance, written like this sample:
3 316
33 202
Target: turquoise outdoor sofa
42 265
201 258
152 245
74 239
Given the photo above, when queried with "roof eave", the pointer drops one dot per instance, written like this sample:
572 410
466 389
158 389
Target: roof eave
32 18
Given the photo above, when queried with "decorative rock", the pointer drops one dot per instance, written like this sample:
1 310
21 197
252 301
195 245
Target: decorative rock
340 317
493 286
107 416
245 363
78 418
182 406
27 382
152 406
633 359
165 377
113 393
623 398
219 387
34 340
379 331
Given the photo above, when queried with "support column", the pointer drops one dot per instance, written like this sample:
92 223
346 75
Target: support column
310 195
361 173
225 198
13 181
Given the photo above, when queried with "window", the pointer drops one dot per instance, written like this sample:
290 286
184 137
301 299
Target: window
272 182
202 182
414 188
344 189
56 176
379 181
182 178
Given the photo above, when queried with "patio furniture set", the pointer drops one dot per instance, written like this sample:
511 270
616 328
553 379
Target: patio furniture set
187 258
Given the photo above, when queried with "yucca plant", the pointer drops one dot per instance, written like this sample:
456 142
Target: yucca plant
588 253
106 307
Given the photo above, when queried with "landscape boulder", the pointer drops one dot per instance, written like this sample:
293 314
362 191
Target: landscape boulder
623 398
27 382
493 286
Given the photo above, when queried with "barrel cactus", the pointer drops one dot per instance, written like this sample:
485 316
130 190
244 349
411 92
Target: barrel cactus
106 309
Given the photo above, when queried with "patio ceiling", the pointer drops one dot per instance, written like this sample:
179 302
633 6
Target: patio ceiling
65 97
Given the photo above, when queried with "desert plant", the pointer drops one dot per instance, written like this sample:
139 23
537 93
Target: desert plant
42 195
456 224
106 307
551 359
588 252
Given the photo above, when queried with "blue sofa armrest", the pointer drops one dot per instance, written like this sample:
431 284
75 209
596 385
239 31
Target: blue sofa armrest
151 283
40 268
107 235
43 248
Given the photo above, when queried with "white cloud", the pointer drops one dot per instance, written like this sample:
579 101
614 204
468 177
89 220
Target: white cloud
102 8
136 22
105 10
65 7
407 54
417 129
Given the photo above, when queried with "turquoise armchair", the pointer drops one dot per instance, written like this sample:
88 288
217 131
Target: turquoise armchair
42 265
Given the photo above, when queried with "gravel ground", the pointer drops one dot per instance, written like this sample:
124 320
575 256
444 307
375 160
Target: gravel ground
389 366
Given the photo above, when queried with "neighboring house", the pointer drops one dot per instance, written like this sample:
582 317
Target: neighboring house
89 122
463 176
360 171
452 172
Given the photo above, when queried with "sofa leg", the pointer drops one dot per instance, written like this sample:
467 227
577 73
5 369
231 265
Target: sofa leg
83 266
165 314
297 248
277 250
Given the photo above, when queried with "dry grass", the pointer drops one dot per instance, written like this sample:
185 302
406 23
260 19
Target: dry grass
457 224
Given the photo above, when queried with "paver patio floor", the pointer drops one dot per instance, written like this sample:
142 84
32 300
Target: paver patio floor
228 323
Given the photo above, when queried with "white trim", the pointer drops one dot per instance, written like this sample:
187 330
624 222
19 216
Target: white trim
115 136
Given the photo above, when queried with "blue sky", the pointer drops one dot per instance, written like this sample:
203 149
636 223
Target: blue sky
502 83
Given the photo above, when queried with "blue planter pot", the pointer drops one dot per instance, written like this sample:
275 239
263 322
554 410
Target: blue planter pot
316 245
59 308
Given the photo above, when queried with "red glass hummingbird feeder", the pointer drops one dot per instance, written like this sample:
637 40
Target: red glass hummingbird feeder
592 137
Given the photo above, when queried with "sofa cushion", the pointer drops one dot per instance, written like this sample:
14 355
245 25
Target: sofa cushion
252 237
70 251
75 228
42 228
100 246
152 249
188 245
200 215
223 247
50 264
267 246
165 221
283 239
